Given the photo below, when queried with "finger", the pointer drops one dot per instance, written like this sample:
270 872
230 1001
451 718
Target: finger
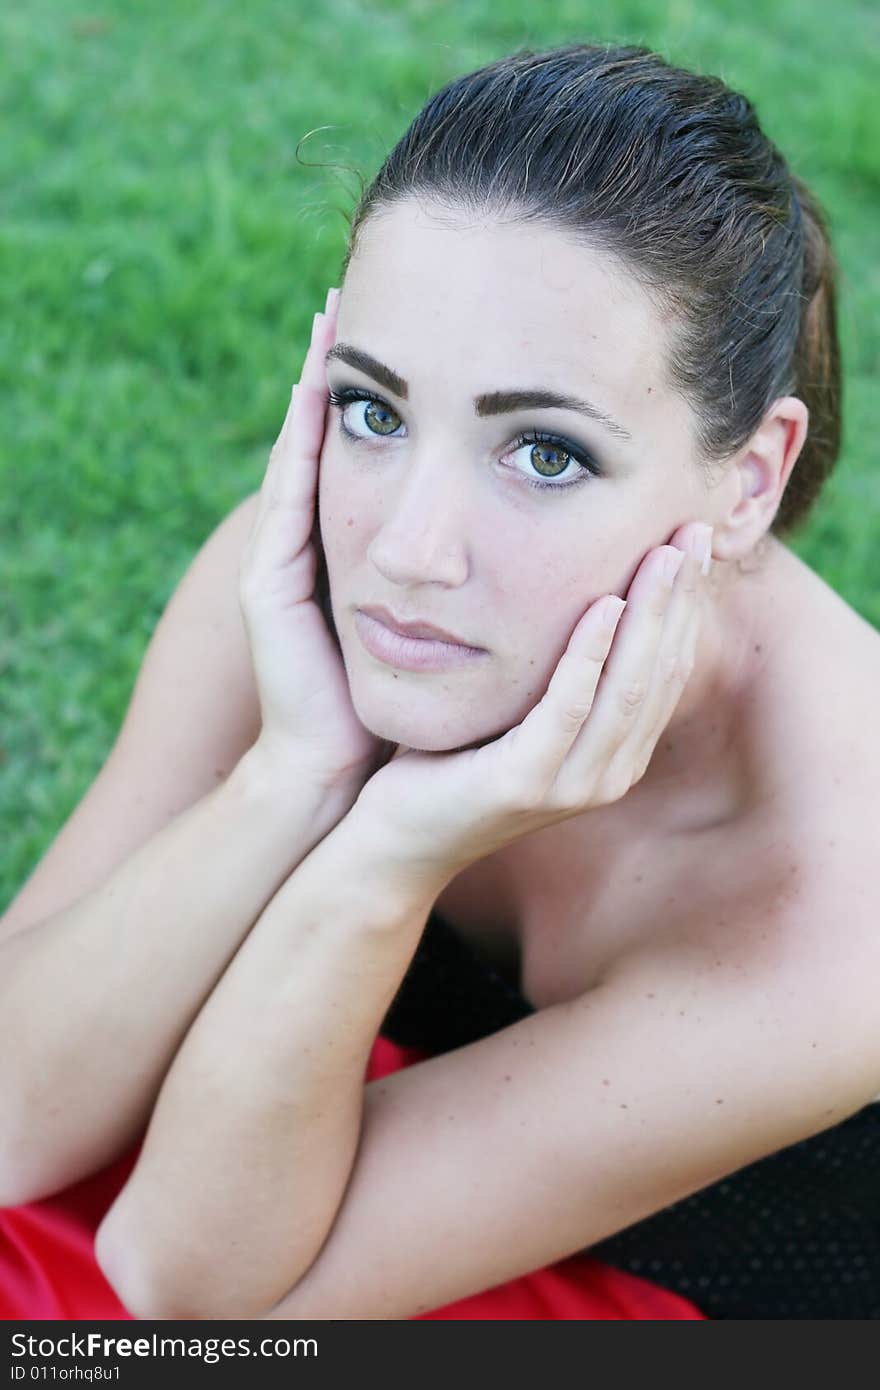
543 740
677 651
295 453
669 659
674 693
302 430
627 675
286 507
672 667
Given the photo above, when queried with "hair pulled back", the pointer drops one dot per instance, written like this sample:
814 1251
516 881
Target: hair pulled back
669 172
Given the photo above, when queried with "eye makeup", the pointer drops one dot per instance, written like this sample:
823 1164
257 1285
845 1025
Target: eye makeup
586 466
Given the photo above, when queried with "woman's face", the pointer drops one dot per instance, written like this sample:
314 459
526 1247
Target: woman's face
426 507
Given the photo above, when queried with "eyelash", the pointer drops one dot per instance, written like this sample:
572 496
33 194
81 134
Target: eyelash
340 399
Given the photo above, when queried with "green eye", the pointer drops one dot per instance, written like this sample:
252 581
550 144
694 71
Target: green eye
549 456
375 415
538 460
540 446
374 411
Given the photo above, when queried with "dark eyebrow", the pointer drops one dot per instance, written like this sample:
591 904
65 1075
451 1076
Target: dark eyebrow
492 403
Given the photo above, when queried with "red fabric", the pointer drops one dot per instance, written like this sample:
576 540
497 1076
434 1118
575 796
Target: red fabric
48 1269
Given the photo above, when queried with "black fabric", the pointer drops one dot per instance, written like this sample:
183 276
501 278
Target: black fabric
795 1235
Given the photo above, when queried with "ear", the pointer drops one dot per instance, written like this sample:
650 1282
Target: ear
760 474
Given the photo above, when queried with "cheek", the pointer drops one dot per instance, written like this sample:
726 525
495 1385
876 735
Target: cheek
540 604
345 506
548 600
328 472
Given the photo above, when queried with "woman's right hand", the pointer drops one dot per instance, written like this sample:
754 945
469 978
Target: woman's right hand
309 723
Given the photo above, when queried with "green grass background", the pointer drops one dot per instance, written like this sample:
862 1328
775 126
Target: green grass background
162 252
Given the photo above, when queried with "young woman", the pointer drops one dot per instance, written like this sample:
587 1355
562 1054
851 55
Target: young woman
579 888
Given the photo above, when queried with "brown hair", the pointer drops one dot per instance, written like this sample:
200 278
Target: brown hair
669 172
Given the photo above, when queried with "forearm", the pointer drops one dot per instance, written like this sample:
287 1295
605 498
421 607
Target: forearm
95 1001
256 1128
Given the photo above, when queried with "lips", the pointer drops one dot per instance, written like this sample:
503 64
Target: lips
420 630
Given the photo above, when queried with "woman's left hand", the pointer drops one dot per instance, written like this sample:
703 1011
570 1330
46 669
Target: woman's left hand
583 745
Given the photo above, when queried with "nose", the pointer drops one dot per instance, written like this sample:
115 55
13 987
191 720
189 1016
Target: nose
423 538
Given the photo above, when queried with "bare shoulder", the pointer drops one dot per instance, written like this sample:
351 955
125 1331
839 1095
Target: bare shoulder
823 713
786 948
800 911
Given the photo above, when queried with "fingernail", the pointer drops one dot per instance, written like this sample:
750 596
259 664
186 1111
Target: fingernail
703 547
611 611
672 564
331 301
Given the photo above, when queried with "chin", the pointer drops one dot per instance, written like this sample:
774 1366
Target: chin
424 736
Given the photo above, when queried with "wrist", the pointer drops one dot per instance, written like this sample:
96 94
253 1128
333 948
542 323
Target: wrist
387 867
294 787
